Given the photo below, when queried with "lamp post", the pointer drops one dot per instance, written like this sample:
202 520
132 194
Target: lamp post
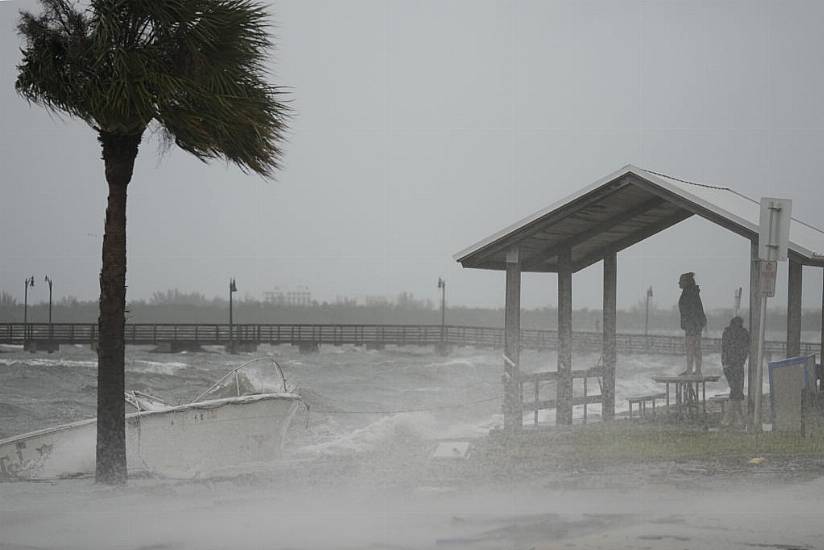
29 283
737 300
50 282
646 316
232 290
442 286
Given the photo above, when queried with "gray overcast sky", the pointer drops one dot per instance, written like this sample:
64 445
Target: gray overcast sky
422 127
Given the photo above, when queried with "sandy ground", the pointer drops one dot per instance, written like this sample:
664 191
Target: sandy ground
654 505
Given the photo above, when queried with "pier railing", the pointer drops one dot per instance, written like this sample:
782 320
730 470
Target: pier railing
374 335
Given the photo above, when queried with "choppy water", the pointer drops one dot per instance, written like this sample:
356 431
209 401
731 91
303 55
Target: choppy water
358 400
357 471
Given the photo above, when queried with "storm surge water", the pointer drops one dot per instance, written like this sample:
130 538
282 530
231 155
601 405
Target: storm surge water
358 469
357 400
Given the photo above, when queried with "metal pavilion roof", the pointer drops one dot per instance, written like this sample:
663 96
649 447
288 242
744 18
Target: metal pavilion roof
620 210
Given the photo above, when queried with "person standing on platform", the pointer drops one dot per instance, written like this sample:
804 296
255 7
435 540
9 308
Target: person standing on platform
735 347
693 321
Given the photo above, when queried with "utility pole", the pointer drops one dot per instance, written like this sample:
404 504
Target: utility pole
737 300
232 290
29 283
442 286
442 347
51 331
646 317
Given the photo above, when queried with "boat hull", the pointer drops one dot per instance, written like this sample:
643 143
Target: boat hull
184 441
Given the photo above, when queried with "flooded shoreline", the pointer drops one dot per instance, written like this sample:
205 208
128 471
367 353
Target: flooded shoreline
358 468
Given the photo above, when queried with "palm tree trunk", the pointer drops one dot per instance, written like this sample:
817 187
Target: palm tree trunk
119 153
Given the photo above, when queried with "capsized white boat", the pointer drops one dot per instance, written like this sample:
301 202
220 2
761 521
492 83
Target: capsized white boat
242 419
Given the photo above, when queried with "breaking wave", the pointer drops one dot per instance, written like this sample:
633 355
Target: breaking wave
395 400
38 362
157 367
378 435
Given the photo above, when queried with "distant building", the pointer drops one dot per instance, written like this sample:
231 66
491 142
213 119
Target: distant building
300 297
345 301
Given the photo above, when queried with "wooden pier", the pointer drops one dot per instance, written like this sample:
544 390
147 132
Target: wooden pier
309 337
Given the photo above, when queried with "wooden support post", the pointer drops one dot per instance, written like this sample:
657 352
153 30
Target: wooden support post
563 410
608 350
513 405
794 282
755 311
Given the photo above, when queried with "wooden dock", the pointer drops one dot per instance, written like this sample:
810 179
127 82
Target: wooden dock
179 336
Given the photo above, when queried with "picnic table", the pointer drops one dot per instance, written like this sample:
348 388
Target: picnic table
690 392
642 400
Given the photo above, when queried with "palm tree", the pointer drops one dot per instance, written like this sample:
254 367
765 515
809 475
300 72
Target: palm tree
193 69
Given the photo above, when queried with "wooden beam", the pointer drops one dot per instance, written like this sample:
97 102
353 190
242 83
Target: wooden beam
695 208
794 285
551 403
513 409
551 251
803 260
506 241
609 324
547 375
563 413
631 239
755 311
542 376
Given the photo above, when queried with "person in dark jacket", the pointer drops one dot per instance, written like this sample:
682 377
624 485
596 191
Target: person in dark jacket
735 348
693 321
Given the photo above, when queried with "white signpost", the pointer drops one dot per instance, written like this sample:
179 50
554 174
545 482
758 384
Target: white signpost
774 228
773 239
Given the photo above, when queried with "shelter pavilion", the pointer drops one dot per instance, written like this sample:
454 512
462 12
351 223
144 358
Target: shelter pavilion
594 225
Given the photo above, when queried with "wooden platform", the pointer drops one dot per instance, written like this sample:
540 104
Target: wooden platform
373 335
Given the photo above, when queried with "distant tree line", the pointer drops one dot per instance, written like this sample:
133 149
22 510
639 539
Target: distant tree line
175 306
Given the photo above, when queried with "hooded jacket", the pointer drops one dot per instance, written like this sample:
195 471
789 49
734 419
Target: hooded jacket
693 319
735 345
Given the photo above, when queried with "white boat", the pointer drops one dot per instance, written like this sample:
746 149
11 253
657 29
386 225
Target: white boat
241 420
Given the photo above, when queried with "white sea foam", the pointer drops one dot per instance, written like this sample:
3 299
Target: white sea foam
11 347
37 362
397 429
457 363
378 435
157 367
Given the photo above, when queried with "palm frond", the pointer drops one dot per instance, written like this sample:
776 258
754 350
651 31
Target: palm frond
197 67
53 69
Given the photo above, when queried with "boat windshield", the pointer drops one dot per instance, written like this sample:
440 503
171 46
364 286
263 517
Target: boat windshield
145 402
262 375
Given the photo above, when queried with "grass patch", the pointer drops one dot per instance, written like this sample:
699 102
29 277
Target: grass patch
612 442
628 442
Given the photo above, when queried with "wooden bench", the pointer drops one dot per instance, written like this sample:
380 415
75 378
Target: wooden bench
642 400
